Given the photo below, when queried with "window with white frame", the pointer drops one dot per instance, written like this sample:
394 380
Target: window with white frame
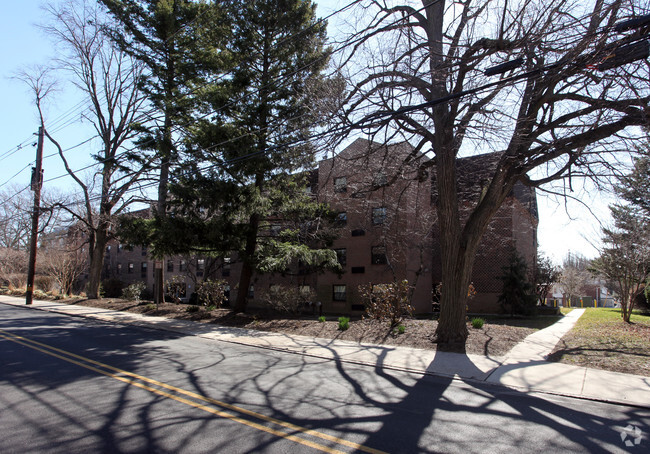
339 293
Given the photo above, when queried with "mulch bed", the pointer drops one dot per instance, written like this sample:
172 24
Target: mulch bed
493 339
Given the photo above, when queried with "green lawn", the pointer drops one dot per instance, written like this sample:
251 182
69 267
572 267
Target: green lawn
602 340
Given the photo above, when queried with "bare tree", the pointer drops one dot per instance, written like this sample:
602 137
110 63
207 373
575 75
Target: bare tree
16 205
574 282
64 260
15 218
13 267
431 73
545 275
109 79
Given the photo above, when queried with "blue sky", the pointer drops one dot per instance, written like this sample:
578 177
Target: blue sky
23 45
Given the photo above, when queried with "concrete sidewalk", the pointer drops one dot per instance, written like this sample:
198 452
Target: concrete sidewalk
524 368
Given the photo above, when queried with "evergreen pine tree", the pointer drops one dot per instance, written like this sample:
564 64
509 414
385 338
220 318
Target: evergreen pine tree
241 185
180 42
518 294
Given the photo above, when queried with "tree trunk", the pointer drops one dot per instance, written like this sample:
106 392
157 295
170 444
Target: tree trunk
96 256
627 304
161 209
248 264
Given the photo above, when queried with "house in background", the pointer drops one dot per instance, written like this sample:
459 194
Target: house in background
388 231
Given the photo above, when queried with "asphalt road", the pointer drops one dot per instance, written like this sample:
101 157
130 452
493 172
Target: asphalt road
72 385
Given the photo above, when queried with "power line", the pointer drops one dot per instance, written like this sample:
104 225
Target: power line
179 128
380 114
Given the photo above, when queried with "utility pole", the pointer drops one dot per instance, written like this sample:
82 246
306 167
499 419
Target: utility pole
37 182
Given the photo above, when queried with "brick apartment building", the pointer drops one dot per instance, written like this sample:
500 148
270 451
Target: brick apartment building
387 217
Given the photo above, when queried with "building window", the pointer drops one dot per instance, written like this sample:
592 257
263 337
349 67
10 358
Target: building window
143 267
358 269
182 266
251 291
378 255
108 249
200 264
339 293
170 266
225 272
358 232
342 219
340 184
378 215
119 268
119 248
380 179
144 251
341 255
130 268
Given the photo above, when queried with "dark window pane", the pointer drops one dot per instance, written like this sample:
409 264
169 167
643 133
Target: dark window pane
378 255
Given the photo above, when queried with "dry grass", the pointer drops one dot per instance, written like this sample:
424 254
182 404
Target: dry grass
602 340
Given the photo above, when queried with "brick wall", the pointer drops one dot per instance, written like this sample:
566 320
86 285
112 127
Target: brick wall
388 231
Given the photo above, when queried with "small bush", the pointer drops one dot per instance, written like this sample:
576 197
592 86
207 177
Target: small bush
113 287
344 323
518 294
147 294
212 293
150 307
39 295
401 329
477 323
288 299
211 308
387 301
44 283
192 309
175 289
134 291
321 319
17 282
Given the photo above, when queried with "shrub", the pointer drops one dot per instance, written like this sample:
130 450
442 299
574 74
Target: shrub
387 301
288 299
113 287
518 295
134 291
344 323
175 289
39 295
211 308
321 319
211 293
192 309
150 307
147 294
477 323
17 281
44 283
401 329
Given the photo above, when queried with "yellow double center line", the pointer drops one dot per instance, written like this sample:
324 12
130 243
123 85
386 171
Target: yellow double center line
193 399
